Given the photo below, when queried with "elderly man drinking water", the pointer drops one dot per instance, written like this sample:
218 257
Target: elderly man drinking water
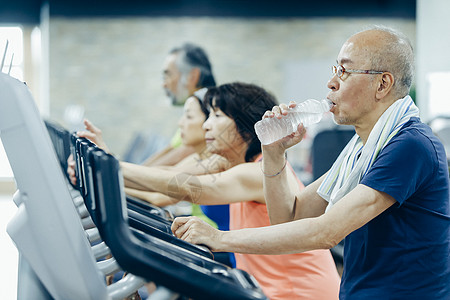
387 194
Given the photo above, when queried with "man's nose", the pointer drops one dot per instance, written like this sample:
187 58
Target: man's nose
333 83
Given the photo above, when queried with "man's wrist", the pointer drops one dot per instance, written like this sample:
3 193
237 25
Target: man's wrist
273 174
273 153
273 162
224 241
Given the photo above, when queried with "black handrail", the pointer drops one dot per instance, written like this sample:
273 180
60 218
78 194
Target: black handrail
154 259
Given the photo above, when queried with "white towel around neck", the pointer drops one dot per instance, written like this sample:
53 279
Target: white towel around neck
348 169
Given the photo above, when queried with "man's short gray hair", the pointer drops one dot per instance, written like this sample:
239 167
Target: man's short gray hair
395 56
192 56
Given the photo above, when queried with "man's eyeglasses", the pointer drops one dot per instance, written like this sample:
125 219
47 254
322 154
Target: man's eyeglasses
339 71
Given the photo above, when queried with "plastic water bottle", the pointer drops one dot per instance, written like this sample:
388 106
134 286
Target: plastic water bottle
307 112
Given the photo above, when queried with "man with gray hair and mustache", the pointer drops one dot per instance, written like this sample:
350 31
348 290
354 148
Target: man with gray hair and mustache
186 70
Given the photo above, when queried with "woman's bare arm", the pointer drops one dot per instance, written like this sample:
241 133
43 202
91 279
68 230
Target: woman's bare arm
241 183
154 198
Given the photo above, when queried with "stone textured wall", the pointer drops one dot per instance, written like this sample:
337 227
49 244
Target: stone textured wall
112 67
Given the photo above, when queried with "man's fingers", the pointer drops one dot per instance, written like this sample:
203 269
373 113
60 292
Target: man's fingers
178 226
185 228
186 235
276 110
283 106
268 114
284 109
300 133
280 110
177 222
301 129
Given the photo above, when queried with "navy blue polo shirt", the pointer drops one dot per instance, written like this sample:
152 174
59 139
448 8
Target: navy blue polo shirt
404 253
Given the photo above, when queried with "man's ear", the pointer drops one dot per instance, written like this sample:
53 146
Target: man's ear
385 84
193 78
